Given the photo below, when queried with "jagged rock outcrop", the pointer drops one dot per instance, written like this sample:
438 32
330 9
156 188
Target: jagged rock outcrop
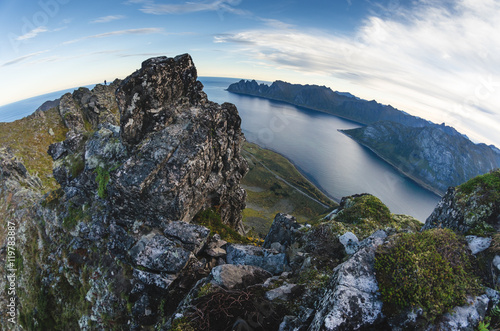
472 208
435 156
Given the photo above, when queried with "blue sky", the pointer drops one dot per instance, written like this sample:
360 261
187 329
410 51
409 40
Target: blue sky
435 59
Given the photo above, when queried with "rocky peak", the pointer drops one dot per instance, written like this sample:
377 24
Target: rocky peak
150 98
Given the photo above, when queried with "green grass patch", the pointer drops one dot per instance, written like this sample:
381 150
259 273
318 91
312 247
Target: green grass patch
268 195
211 219
431 269
29 139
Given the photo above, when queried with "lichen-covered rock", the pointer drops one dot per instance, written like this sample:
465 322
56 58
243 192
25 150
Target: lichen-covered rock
478 244
184 150
350 242
158 253
471 208
351 300
193 237
267 259
464 318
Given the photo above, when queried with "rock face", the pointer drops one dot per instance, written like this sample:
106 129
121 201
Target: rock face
436 156
472 208
129 190
351 301
184 150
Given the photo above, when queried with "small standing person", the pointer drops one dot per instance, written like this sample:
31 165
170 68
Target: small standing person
105 82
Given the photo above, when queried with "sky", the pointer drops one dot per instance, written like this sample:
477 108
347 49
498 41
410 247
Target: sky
439 60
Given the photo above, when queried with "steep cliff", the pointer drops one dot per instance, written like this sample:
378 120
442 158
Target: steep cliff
114 242
437 157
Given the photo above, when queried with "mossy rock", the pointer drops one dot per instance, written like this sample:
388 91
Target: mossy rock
358 208
364 214
432 270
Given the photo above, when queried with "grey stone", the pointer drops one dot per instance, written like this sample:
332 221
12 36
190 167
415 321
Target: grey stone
350 242
281 231
238 276
496 262
214 247
351 300
467 317
283 292
478 244
154 279
159 253
193 237
267 259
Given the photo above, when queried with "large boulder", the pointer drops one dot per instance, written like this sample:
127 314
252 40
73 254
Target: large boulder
267 259
351 300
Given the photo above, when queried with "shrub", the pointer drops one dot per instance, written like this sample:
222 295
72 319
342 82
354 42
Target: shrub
432 270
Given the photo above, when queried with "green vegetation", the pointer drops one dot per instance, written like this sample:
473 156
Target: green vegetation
102 180
211 219
431 269
363 215
487 185
364 207
182 324
268 195
30 137
75 215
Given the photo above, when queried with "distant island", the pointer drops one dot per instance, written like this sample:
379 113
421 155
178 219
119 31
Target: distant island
435 156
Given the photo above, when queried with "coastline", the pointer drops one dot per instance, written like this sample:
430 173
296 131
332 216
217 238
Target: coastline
301 172
414 179
299 106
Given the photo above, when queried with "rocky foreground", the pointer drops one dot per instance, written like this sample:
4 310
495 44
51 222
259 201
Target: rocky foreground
145 231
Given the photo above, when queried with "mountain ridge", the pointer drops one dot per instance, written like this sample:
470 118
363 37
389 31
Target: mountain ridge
476 158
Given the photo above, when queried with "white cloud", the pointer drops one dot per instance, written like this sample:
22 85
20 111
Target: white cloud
436 61
22 58
192 7
32 34
106 19
118 33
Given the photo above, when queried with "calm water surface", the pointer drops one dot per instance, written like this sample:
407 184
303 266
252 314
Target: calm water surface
331 160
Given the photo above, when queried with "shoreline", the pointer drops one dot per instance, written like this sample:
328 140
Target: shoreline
416 180
301 172
299 106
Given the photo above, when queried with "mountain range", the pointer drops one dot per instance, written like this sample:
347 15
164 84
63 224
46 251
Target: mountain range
435 156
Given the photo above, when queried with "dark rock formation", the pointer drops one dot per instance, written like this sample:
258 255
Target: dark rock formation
435 156
282 231
48 105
